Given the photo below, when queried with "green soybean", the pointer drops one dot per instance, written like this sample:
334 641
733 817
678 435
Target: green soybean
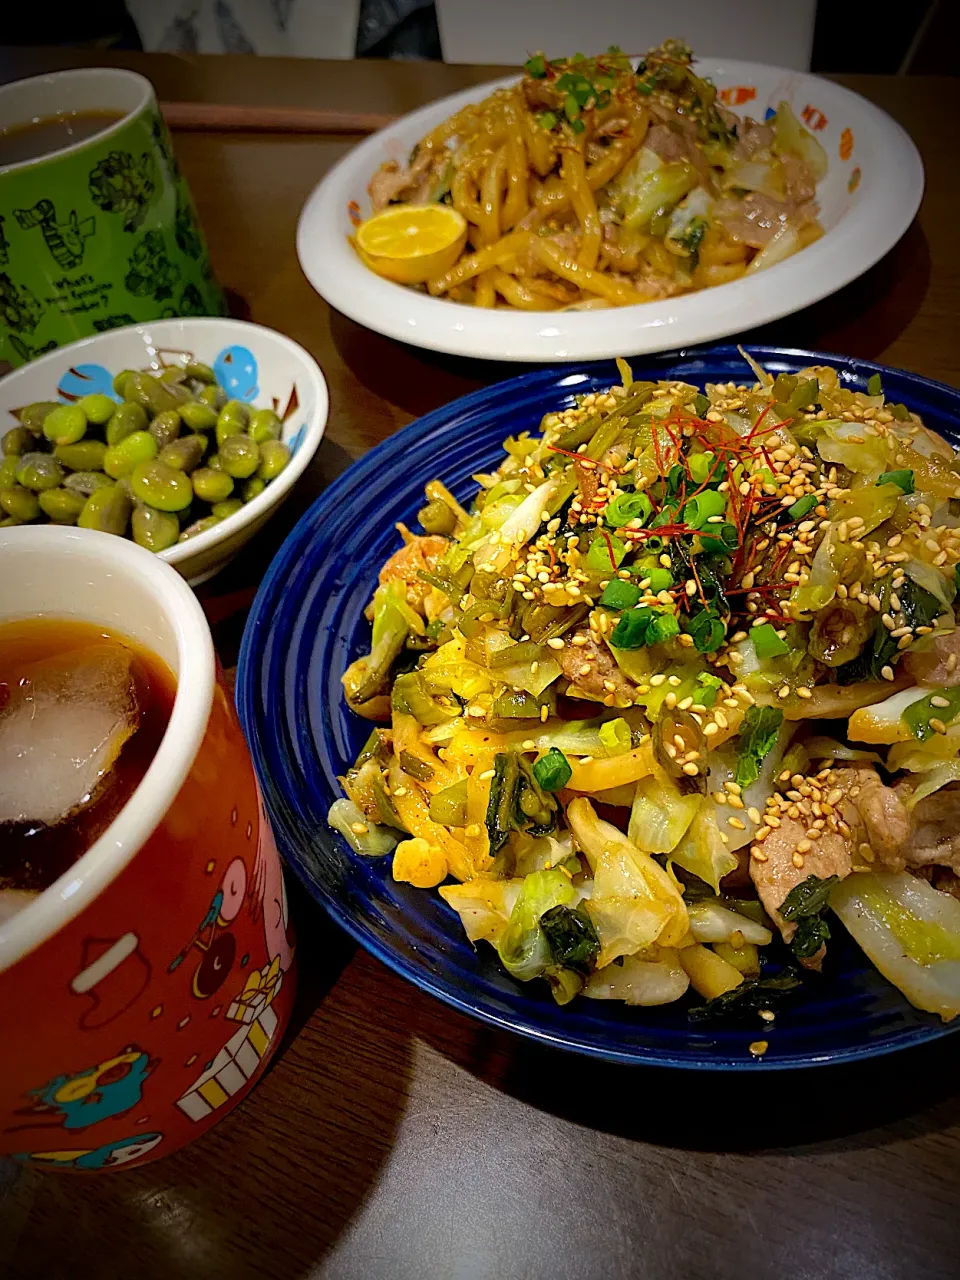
156 530
146 390
264 425
32 415
214 463
240 456
62 506
85 455
165 427
198 527
8 471
215 397
229 507
184 454
120 459
87 482
125 419
274 456
120 381
97 408
107 510
173 374
17 441
200 371
39 471
252 488
198 416
232 420
212 486
19 503
161 486
66 424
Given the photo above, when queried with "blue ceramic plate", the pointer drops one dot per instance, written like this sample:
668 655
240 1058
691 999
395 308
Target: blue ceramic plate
307 624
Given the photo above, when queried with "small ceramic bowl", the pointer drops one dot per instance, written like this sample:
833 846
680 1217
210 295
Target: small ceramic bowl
254 364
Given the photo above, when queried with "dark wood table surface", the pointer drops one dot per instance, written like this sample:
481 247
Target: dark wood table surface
394 1137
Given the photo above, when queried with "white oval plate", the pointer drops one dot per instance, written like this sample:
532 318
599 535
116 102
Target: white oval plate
867 200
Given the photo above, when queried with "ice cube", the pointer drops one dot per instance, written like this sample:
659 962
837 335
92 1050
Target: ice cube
61 731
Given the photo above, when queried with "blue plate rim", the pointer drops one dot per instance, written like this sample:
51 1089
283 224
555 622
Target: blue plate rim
247 674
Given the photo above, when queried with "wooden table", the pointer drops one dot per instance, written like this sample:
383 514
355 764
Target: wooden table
395 1138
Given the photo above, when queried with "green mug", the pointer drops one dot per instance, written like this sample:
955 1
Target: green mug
102 232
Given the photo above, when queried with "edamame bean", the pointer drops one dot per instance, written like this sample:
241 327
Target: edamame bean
85 455
212 486
232 419
17 441
153 529
252 488
66 424
97 408
240 456
19 503
264 425
107 510
202 372
229 507
125 419
184 454
8 471
214 396
214 463
9 522
173 375
198 416
62 506
161 486
146 390
32 415
39 471
165 427
87 482
120 459
274 456
198 527
120 380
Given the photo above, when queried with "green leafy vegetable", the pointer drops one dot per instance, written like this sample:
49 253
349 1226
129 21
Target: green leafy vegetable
904 479
631 631
536 66
743 1003
449 806
552 771
766 642
615 736
804 906
605 554
701 405
547 119
703 466
919 608
710 686
917 715
503 795
620 595
874 385
571 937
758 733
707 629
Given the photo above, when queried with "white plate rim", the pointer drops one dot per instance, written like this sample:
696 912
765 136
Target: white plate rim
885 209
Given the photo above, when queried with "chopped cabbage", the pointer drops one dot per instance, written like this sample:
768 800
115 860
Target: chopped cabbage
910 931
373 841
660 815
484 906
711 921
640 981
701 851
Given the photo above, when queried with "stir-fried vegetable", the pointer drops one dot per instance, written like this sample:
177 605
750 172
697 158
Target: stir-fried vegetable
600 685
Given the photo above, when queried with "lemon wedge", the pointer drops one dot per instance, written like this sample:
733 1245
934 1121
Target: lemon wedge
412 243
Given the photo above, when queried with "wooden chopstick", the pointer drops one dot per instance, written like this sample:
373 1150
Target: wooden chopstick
216 116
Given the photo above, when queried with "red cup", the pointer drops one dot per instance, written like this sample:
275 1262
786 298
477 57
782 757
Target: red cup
144 992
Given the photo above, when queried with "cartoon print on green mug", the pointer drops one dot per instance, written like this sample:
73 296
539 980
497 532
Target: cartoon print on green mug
65 240
151 271
100 234
122 184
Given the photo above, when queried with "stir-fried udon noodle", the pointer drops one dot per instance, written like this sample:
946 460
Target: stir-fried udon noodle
683 677
595 183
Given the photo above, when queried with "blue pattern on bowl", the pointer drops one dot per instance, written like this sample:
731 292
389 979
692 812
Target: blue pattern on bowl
86 380
237 373
307 624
